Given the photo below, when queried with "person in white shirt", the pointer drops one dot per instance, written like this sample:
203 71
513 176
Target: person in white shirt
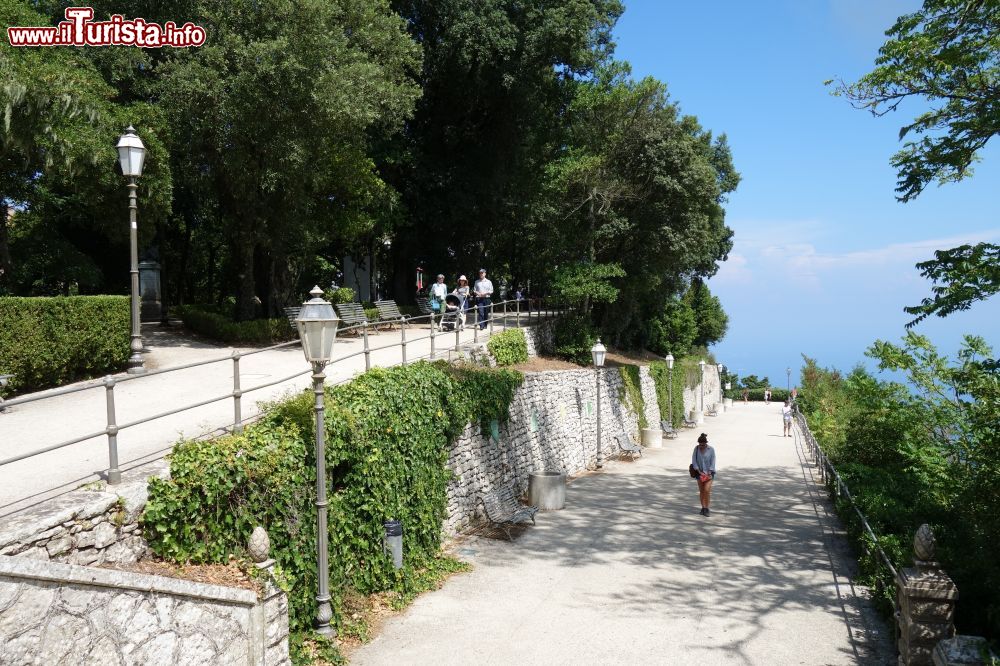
438 291
482 290
786 417
703 469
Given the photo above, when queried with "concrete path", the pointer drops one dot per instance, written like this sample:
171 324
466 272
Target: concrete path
630 573
36 425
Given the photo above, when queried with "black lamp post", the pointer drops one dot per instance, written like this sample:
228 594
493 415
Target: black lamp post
670 390
317 324
131 156
598 351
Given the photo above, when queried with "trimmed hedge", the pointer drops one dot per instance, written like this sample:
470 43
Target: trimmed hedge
509 347
47 342
757 394
202 320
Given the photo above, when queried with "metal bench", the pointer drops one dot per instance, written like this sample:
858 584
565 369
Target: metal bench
351 314
293 314
668 430
4 379
503 510
388 313
424 305
688 423
627 446
712 411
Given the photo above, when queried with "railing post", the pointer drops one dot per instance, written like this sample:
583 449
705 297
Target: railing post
114 474
517 319
491 318
402 337
475 326
368 352
432 336
237 395
458 331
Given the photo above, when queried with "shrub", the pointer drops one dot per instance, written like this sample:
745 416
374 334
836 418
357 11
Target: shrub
48 342
757 394
509 347
204 321
339 295
574 336
388 435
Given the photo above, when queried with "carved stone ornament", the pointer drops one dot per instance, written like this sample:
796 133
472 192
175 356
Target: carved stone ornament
259 544
924 544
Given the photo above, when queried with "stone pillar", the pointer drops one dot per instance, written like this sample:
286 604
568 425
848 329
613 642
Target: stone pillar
272 610
926 597
964 651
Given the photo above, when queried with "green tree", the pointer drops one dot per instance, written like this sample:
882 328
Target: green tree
711 320
674 330
961 276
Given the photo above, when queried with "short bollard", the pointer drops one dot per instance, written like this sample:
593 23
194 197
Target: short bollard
394 542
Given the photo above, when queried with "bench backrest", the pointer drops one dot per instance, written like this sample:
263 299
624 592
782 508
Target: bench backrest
293 313
500 504
424 305
626 443
351 314
388 311
665 427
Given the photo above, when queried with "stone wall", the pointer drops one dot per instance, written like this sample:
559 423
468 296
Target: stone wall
540 337
552 426
652 407
67 614
86 526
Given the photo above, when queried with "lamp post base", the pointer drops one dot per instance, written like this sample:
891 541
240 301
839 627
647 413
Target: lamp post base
136 365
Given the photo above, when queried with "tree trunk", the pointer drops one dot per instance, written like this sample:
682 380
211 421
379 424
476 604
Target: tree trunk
6 263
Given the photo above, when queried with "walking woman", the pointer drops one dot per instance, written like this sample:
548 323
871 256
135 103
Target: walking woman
786 418
703 463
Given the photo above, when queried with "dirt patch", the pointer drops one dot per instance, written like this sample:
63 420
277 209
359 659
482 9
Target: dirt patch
543 363
228 575
615 357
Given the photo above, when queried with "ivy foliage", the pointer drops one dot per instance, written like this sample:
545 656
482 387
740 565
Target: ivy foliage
387 442
632 392
52 341
669 390
509 347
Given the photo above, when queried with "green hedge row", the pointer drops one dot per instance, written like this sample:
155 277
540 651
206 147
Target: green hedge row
204 321
388 437
47 342
661 378
509 347
757 394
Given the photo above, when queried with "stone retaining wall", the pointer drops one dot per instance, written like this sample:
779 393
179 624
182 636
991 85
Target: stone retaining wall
53 613
552 426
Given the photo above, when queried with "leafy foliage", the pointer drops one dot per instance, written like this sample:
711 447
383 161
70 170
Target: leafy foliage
921 452
587 282
944 53
509 347
668 393
388 435
52 341
632 392
674 330
573 338
757 394
962 276
212 324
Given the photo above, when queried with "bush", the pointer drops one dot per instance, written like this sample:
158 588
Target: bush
48 342
509 347
757 394
574 336
212 324
339 295
388 435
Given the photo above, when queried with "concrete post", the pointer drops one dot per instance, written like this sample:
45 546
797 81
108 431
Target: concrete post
926 596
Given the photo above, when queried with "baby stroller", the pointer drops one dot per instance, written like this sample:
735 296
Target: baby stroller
453 314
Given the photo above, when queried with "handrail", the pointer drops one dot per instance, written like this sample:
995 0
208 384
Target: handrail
109 383
826 470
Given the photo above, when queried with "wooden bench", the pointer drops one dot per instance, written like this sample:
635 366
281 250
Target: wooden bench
503 510
668 430
351 314
627 446
424 305
388 313
689 423
293 314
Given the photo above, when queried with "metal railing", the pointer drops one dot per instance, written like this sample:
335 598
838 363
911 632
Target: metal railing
524 312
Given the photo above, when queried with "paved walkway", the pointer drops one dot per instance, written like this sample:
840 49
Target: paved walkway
33 426
630 573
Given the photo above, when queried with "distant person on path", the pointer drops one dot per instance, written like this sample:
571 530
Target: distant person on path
703 462
438 291
767 396
483 290
786 417
462 291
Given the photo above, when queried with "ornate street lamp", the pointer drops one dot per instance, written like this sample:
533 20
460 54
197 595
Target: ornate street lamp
788 379
598 351
701 411
317 324
722 372
670 390
131 156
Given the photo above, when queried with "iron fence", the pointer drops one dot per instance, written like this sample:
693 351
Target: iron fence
503 315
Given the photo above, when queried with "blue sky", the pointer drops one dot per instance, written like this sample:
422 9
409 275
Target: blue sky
824 254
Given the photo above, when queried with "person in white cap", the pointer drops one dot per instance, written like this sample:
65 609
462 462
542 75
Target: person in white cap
462 291
483 290
438 291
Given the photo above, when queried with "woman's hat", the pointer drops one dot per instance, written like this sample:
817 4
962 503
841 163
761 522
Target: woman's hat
462 277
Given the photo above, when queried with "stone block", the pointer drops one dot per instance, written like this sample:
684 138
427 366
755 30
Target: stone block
962 651
924 633
105 534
